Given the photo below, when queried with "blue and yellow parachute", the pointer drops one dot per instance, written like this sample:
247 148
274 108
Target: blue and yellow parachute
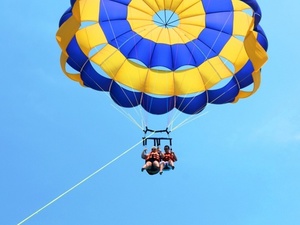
165 54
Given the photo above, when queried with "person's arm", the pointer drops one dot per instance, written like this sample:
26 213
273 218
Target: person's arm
161 155
174 156
144 155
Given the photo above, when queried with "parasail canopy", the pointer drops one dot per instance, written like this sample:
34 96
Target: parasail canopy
164 54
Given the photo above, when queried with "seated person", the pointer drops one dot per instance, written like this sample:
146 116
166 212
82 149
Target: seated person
152 160
168 159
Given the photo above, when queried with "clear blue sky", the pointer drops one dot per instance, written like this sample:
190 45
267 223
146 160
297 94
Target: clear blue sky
238 164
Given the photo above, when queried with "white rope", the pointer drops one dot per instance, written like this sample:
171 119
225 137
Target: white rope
179 112
188 120
128 116
81 182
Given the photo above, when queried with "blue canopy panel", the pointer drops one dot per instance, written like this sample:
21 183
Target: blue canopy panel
124 97
72 2
192 105
225 94
209 43
262 38
119 34
143 45
91 78
244 76
215 39
113 10
213 7
156 105
220 22
67 14
79 59
114 35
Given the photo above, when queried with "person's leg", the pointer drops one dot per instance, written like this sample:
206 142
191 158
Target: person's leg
171 163
156 166
162 165
147 165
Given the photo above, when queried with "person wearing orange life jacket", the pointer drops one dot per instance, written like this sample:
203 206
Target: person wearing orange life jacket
168 159
152 160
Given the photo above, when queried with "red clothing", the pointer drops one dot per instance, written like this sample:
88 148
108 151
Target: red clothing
153 156
168 156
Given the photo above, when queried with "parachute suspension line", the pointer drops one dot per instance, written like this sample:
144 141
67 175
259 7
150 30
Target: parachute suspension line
219 96
82 181
176 113
188 120
118 47
111 27
132 105
107 94
139 113
206 56
219 35
233 86
120 109
129 117
145 115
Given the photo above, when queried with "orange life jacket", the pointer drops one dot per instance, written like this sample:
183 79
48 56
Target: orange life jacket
168 156
153 156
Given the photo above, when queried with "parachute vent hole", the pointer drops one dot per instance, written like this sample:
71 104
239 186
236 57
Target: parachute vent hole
166 19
